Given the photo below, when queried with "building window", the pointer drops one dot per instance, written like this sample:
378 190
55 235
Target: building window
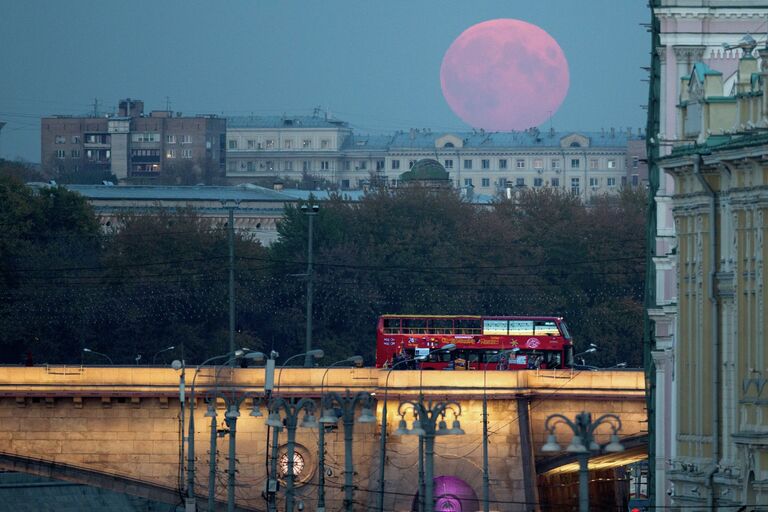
555 182
593 163
325 144
520 163
325 165
395 164
411 163
186 139
250 167
288 165
362 165
467 182
502 182
270 165
486 182
145 137
231 167
611 182
555 163
635 162
270 144
502 163
75 153
623 181
468 165
288 143
233 144
594 182
186 153
345 184
306 143
345 165
635 180
251 144
537 182
538 163
60 153
574 163
171 153
575 185
170 139
60 139
448 164
379 165
75 139
520 182
611 163
306 165
485 163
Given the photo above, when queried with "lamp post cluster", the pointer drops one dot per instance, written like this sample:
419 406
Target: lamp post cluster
583 444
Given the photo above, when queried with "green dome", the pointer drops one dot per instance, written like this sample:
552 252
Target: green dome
427 169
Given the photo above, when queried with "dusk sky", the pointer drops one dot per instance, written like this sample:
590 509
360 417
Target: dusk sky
373 64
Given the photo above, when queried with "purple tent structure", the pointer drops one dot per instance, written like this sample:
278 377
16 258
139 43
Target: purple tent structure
452 494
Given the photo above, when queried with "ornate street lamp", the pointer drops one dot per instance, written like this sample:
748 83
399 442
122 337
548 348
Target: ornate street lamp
583 444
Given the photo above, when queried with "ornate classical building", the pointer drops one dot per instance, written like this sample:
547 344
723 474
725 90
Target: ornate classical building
719 437
690 31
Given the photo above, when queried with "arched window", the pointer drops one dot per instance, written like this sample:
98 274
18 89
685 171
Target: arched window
448 145
575 144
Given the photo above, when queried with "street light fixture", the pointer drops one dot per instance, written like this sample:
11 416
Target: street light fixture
582 444
316 354
89 351
348 404
166 349
429 421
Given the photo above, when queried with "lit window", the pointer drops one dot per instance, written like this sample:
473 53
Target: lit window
520 163
171 153
611 163
485 163
468 164
448 164
503 163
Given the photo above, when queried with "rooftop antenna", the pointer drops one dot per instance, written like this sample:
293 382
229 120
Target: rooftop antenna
168 103
95 107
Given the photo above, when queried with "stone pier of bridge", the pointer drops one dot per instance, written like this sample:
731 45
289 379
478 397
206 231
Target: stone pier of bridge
120 428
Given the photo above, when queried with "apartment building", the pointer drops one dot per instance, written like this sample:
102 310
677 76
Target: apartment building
130 143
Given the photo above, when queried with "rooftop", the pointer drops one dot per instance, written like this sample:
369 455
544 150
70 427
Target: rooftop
284 122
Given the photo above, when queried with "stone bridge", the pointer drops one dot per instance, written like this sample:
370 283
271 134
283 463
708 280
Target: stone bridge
120 428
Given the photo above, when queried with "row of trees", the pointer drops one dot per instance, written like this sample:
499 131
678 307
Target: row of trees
161 280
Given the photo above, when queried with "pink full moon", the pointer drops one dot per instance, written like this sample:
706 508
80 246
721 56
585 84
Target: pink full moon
503 75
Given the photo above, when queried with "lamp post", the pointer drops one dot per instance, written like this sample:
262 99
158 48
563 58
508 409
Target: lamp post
310 212
348 404
582 444
191 434
89 351
316 354
292 409
179 365
357 361
383 439
166 349
486 477
429 421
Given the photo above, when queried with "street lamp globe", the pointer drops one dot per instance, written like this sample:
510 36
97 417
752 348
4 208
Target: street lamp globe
576 446
402 428
614 446
366 416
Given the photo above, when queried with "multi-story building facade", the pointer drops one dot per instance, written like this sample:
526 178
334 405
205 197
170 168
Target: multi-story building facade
690 31
132 144
719 459
586 164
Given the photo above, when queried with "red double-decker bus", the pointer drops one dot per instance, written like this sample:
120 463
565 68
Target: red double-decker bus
525 342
